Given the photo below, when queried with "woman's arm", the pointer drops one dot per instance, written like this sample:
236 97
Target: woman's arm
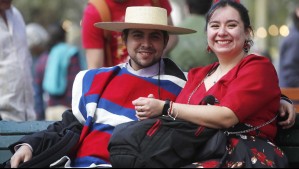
210 116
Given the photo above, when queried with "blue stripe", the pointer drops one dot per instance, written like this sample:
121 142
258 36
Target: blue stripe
87 161
87 81
93 98
82 107
107 69
117 109
89 122
170 87
103 128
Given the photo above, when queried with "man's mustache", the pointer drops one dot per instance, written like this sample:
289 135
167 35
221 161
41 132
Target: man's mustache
148 50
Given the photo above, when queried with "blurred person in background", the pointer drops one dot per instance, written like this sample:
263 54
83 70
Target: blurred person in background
178 12
190 51
289 54
37 39
57 71
93 39
16 91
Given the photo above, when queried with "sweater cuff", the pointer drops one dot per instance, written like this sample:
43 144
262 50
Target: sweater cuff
23 144
284 97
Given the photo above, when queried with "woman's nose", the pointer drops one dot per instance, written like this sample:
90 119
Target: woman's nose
222 31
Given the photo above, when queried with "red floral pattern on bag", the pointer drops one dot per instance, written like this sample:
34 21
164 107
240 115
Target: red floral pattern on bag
207 164
262 157
278 152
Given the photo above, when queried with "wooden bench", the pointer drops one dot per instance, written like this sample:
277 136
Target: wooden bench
11 132
293 94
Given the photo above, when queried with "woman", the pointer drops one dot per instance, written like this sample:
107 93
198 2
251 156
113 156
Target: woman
244 89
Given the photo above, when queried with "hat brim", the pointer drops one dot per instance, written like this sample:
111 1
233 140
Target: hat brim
120 26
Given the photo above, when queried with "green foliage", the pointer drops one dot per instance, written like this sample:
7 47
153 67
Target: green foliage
46 12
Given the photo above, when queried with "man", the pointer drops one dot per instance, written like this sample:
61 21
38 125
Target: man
96 42
102 98
16 91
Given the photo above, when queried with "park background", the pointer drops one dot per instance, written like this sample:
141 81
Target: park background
270 19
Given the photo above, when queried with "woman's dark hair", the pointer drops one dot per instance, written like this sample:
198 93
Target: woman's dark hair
238 6
200 7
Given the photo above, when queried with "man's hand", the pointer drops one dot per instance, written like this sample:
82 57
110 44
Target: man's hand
23 154
148 107
287 112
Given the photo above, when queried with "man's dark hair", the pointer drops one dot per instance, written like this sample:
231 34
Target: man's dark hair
200 7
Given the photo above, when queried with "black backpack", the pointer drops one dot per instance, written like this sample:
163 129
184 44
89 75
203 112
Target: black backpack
164 142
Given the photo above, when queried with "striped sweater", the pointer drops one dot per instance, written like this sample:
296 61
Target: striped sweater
102 99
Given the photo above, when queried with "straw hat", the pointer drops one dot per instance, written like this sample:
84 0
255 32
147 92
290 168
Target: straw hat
144 17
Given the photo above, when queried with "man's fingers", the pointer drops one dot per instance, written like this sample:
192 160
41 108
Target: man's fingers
139 102
151 96
14 162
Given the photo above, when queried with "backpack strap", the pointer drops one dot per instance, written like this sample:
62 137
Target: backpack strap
103 9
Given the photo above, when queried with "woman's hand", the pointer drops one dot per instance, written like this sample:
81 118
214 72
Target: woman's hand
148 107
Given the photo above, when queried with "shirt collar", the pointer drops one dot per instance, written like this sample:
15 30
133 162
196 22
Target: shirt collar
147 72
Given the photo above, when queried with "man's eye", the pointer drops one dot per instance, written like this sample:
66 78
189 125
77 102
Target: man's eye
156 37
137 35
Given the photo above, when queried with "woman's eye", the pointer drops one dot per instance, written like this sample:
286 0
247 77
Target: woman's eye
214 26
232 25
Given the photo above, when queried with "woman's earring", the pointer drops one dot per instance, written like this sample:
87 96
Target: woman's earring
247 45
209 50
